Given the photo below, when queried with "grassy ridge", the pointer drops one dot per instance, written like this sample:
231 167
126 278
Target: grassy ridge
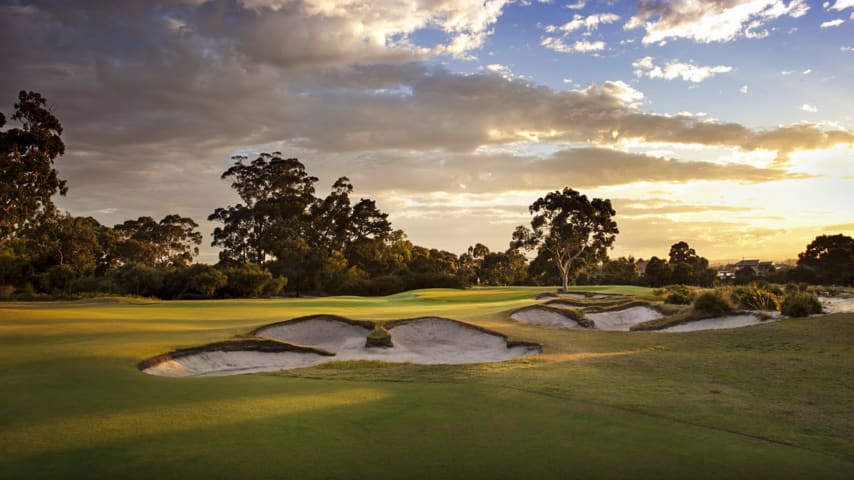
772 400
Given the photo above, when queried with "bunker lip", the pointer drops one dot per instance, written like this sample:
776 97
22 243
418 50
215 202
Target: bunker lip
356 323
550 316
739 319
423 340
622 318
266 345
591 296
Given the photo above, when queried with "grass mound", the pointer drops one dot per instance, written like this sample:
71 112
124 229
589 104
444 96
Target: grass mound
379 338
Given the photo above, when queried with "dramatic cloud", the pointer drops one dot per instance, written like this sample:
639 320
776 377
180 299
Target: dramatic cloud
582 167
710 20
645 67
156 96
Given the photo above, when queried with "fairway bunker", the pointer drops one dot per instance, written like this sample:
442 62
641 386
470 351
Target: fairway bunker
309 341
622 320
548 317
718 323
837 304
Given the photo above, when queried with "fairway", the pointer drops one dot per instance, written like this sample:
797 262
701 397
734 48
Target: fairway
767 401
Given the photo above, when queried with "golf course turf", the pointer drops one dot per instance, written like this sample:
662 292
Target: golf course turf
767 401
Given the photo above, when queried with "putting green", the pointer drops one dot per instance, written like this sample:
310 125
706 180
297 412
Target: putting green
772 400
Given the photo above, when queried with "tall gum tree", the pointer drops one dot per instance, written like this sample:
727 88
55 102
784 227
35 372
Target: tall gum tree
568 229
27 177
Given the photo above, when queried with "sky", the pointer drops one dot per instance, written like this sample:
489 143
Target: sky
728 124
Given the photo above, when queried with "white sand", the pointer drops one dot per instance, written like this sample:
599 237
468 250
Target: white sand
732 321
441 341
837 304
327 333
544 317
217 363
428 341
622 320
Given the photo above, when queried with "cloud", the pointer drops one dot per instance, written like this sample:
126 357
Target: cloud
582 167
689 72
558 45
155 112
832 23
809 108
576 6
841 5
710 21
589 23
744 89
846 49
578 22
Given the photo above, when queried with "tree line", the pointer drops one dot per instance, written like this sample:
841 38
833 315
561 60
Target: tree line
284 238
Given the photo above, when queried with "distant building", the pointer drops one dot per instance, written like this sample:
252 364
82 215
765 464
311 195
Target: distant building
759 268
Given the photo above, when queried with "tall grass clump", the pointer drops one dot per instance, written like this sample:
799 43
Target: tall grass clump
679 294
712 303
754 297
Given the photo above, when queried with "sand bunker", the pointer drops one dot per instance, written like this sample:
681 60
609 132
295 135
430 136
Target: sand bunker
837 304
546 317
428 340
622 320
234 357
329 332
732 321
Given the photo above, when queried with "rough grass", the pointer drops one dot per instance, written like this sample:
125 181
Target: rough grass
769 401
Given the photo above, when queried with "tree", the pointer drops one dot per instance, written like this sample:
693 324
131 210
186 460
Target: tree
173 241
689 268
680 252
622 271
831 258
503 268
657 272
27 177
276 194
569 229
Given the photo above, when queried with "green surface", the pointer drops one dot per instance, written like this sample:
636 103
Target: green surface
770 401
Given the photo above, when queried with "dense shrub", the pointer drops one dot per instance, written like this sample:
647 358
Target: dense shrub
679 294
6 291
800 304
249 280
712 303
198 281
754 297
139 279
102 285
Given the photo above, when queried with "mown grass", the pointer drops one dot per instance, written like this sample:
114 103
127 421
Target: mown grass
770 401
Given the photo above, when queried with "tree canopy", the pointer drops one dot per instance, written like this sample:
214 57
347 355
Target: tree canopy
569 230
27 177
830 258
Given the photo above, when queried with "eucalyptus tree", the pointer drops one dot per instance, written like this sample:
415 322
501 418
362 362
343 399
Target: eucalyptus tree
569 230
27 177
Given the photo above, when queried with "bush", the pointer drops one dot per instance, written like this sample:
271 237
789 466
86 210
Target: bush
249 280
139 279
6 291
755 298
712 303
679 295
93 285
800 304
